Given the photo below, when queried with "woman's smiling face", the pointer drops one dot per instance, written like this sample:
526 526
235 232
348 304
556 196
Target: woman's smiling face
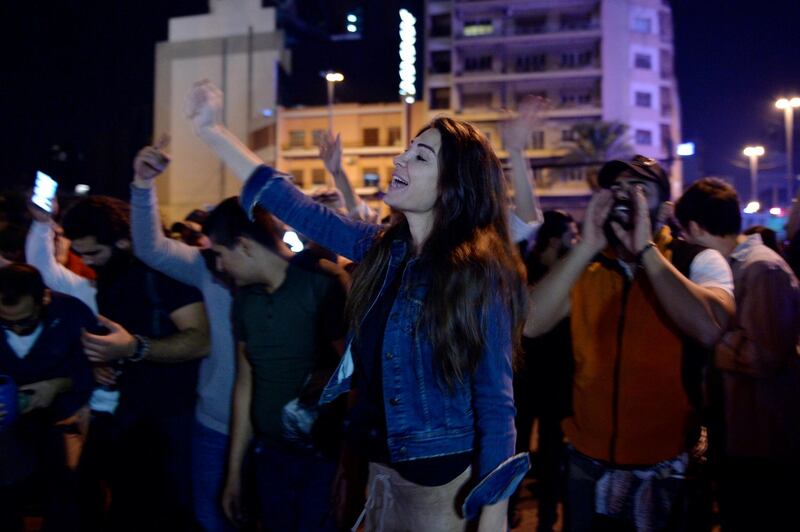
415 181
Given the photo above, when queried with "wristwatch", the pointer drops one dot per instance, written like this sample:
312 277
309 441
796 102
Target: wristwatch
142 348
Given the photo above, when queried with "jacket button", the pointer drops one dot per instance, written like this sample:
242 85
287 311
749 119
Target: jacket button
394 401
389 356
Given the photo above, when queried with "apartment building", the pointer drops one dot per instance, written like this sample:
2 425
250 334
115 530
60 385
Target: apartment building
372 135
595 60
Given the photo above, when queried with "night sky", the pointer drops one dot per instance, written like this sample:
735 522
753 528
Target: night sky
78 74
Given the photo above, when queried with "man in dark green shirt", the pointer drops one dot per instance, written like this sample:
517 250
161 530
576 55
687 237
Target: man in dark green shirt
289 324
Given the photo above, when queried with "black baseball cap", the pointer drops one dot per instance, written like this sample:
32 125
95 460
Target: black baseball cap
642 166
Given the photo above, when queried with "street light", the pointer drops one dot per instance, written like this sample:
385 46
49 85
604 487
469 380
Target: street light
753 152
332 78
788 105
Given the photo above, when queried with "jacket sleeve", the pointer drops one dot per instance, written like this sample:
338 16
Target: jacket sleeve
40 254
275 193
175 259
498 470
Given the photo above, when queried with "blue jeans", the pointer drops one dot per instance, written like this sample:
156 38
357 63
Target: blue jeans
294 490
209 458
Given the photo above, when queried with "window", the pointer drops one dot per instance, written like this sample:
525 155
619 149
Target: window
395 136
530 24
666 139
643 61
643 99
642 25
371 177
537 140
568 135
318 176
531 63
665 25
297 176
521 96
573 22
666 101
576 97
478 64
316 136
574 59
475 28
441 25
666 65
371 136
440 98
644 137
297 138
477 99
440 62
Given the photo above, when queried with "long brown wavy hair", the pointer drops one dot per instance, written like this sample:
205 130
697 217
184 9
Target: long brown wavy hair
469 253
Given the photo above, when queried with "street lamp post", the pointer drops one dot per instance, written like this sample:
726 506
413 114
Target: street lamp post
788 105
332 78
753 153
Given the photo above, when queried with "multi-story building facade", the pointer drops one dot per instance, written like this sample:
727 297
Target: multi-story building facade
595 60
372 135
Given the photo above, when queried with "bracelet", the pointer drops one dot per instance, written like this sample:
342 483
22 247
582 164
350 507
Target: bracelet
647 247
142 348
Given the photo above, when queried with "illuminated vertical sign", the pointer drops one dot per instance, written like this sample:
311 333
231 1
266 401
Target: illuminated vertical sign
408 56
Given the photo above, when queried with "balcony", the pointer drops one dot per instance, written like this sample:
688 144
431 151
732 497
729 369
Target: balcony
506 73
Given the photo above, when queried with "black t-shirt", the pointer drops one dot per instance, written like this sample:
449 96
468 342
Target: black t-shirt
367 419
141 299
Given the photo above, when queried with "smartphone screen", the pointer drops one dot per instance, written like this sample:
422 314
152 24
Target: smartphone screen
44 191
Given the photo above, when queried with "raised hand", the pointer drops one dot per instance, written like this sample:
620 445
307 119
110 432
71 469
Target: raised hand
42 394
203 106
517 131
593 234
151 161
330 151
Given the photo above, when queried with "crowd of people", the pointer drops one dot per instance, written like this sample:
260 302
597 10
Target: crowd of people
389 376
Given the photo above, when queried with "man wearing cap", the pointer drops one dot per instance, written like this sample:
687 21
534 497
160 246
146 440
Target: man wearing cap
643 305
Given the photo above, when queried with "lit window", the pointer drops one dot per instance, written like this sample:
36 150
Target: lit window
478 27
642 25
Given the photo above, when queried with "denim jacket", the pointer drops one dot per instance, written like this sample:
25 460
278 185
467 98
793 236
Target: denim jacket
424 418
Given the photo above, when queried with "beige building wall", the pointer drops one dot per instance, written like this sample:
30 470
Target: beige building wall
237 47
372 135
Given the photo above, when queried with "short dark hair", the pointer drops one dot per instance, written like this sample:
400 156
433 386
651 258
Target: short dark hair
713 205
103 217
768 236
228 222
18 280
554 225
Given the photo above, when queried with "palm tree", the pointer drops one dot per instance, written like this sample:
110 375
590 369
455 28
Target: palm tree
594 143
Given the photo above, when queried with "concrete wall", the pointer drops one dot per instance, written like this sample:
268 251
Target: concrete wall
236 47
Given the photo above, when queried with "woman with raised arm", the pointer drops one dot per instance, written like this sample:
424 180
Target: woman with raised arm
435 311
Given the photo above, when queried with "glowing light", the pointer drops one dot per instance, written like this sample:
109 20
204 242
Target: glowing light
82 189
686 149
408 54
334 77
776 211
752 207
410 99
293 241
786 103
352 28
266 112
352 18
753 151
